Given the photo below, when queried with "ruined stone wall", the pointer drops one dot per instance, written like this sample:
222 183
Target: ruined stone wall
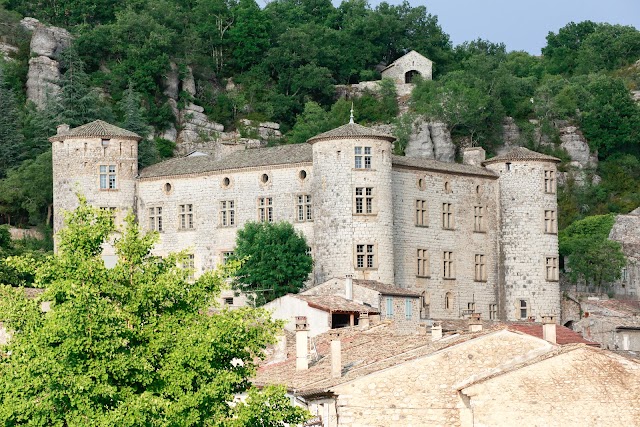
338 228
209 239
423 392
543 393
523 240
463 192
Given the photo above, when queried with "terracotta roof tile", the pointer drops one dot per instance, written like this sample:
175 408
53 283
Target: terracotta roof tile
351 130
336 304
386 289
564 335
521 154
96 129
437 166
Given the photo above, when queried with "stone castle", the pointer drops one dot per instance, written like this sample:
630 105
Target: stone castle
474 237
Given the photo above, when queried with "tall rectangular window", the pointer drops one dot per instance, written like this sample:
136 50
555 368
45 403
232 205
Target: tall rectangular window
550 222
265 209
447 215
226 256
108 177
365 256
389 307
155 219
478 218
551 268
423 263
524 308
550 181
189 264
422 218
227 213
185 216
493 311
364 200
480 268
362 157
408 309
303 208
448 270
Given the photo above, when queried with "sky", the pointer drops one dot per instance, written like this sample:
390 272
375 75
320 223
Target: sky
522 24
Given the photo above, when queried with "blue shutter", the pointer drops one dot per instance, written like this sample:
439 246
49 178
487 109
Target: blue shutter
408 309
389 307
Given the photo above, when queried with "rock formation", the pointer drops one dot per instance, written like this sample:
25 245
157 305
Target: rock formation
576 146
430 140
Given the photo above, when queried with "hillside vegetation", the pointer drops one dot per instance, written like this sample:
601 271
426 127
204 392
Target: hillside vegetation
284 61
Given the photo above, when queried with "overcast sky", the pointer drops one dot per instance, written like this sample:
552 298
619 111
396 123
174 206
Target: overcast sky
522 24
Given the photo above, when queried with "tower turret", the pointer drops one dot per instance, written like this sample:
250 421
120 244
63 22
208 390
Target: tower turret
352 187
528 236
97 160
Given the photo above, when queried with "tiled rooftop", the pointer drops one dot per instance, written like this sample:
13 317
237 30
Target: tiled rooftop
336 304
564 335
351 130
520 154
96 129
386 289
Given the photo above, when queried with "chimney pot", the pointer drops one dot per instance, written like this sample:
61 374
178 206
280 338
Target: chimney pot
436 331
336 355
348 284
475 322
549 329
302 343
363 320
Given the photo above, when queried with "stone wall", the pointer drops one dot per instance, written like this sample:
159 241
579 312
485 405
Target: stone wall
626 231
412 61
463 192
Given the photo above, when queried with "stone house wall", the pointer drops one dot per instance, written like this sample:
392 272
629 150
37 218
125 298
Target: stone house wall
412 61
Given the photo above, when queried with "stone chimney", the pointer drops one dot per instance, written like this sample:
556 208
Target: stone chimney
475 324
473 156
336 354
363 321
280 349
436 331
348 284
549 329
62 128
302 343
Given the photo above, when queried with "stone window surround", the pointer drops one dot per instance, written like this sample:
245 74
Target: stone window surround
365 253
108 174
479 222
422 258
227 212
422 213
480 270
550 183
224 256
449 301
493 311
226 186
155 218
448 265
550 263
550 221
264 209
362 157
520 307
447 216
190 263
307 207
186 211
364 197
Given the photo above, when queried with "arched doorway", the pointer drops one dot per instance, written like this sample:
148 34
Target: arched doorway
409 76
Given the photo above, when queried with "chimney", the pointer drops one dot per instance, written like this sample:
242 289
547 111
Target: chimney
549 328
473 156
336 354
280 349
436 331
62 128
302 343
475 324
348 284
363 321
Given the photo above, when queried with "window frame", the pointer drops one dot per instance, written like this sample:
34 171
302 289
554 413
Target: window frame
521 307
551 268
408 309
422 213
478 219
227 213
265 209
550 221
368 253
550 184
389 307
422 257
186 218
448 265
447 216
304 207
364 201
155 218
362 157
480 268
109 173
493 311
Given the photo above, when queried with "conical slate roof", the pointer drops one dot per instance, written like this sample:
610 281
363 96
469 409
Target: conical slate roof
521 154
351 130
96 129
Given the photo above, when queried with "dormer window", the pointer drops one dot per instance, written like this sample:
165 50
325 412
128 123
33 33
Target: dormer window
362 157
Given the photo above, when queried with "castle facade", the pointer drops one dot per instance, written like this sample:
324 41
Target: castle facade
474 237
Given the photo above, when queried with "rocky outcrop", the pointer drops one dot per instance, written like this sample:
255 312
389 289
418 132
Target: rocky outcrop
44 69
7 50
263 130
196 125
576 146
510 132
430 140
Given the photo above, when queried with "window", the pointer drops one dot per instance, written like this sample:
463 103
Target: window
389 307
493 311
227 213
108 177
155 219
189 264
228 301
422 218
365 256
524 308
423 263
226 256
551 267
478 218
362 156
447 215
550 222
448 301
111 210
408 309
447 265
550 181
303 208
364 200
265 209
186 217
471 307
481 268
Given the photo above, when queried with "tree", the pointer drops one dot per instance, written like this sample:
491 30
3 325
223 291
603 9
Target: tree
561 52
132 345
313 121
134 120
10 135
275 260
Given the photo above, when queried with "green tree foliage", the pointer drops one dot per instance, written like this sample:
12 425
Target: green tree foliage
275 260
132 345
561 51
313 121
10 136
133 119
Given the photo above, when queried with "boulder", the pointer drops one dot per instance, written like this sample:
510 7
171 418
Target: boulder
443 147
171 82
49 41
196 125
42 80
189 83
171 133
30 24
576 146
420 144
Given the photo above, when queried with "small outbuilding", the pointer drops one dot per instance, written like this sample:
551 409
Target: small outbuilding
404 69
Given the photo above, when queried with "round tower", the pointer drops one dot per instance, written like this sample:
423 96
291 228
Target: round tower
528 235
352 189
98 161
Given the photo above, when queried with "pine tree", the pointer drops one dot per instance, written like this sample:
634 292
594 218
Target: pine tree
134 120
10 136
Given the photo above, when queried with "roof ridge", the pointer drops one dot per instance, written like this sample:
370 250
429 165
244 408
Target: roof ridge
351 130
96 129
520 154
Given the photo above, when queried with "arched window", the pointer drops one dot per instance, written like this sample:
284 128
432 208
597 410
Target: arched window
448 301
409 75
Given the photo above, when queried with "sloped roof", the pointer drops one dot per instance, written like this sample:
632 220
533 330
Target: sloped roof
269 156
336 304
351 130
438 166
521 154
96 129
413 52
564 335
386 289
